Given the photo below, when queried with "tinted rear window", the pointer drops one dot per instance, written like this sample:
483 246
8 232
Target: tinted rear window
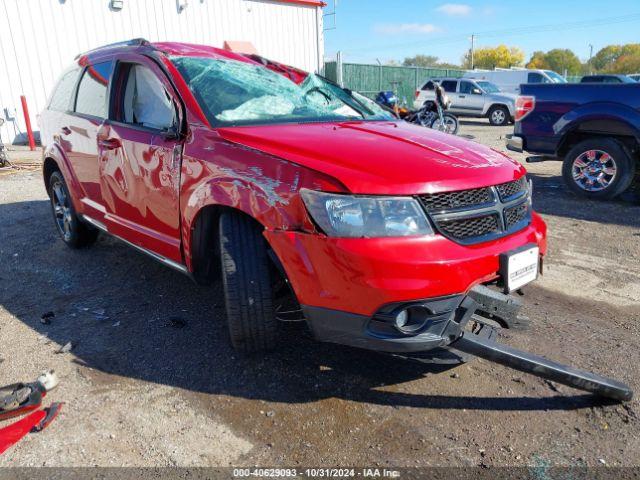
61 96
92 91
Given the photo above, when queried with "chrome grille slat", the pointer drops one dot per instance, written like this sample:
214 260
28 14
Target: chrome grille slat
480 214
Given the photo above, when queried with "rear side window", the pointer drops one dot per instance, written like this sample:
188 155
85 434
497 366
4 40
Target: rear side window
449 85
92 91
61 96
428 85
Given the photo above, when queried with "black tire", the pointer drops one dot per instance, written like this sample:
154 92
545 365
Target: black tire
499 116
624 167
73 232
246 280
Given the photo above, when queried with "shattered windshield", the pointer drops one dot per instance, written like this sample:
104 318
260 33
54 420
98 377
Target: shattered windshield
237 93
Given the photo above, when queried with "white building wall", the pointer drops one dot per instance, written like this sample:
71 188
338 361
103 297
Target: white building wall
39 38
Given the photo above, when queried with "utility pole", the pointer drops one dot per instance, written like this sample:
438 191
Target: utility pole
473 38
590 57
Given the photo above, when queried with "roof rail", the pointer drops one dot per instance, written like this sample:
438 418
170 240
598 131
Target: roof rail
134 42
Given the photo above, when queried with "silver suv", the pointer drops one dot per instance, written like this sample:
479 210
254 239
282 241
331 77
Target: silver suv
472 98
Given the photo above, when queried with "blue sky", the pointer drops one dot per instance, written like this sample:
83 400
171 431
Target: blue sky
384 29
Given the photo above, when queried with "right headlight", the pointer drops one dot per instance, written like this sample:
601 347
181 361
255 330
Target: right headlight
366 216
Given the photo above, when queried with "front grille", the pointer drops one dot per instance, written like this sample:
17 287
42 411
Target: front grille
513 216
450 200
480 214
466 228
510 189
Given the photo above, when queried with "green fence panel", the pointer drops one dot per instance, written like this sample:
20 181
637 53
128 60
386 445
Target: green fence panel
370 79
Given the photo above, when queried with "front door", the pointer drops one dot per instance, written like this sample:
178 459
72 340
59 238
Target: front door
140 152
470 98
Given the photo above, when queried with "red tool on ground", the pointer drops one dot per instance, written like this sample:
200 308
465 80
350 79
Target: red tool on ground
20 398
35 422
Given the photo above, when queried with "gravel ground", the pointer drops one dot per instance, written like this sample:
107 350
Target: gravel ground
152 381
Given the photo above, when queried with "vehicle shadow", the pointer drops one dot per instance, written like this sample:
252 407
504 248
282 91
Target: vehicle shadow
551 196
130 317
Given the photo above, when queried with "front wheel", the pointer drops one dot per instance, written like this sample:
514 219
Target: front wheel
599 168
246 282
449 124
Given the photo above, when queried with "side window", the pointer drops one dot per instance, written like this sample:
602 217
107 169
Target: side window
611 80
535 77
60 100
466 87
145 101
450 85
92 91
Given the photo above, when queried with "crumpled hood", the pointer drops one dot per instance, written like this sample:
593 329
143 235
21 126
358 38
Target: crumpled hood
395 158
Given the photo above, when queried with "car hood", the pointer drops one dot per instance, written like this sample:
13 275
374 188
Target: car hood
394 158
504 97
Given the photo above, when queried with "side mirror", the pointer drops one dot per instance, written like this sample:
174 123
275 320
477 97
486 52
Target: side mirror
476 91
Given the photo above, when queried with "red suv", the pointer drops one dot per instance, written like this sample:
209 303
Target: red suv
309 200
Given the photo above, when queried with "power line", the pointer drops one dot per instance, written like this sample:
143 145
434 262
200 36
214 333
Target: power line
526 30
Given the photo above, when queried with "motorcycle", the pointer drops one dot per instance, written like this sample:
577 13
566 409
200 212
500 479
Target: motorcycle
4 160
431 115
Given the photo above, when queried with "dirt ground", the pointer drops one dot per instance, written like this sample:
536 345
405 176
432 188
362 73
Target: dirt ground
152 380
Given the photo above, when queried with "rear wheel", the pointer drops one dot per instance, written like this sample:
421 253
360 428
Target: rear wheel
247 286
72 230
598 168
499 116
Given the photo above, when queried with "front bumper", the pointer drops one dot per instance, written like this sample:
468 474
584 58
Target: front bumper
360 275
515 144
448 317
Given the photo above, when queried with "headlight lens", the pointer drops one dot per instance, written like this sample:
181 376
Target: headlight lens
359 216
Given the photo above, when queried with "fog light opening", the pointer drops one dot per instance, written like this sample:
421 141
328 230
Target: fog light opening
411 319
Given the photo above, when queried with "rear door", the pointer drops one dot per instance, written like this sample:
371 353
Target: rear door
451 88
140 152
79 133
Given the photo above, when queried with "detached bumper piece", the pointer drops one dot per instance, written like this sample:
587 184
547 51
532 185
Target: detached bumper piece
541 367
421 328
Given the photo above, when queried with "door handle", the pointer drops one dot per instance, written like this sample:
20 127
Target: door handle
65 130
109 143
461 96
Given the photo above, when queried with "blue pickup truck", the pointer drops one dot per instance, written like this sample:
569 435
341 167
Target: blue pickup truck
593 128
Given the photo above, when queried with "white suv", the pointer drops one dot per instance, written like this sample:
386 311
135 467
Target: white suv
472 98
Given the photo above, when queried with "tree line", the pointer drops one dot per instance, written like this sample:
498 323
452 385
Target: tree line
610 59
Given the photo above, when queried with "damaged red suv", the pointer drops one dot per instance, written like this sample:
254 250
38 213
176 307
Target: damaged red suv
214 162
308 200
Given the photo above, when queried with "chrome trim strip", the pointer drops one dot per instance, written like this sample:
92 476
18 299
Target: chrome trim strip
170 263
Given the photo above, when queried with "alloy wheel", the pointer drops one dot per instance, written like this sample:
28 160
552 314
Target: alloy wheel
594 170
62 210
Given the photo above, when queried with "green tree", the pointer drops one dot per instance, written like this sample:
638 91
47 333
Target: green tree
538 60
606 57
420 61
560 60
429 61
557 60
501 56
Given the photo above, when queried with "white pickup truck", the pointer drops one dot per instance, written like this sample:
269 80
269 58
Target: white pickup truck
472 98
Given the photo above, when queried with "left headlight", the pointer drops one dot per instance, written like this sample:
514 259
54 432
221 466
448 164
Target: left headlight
366 216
